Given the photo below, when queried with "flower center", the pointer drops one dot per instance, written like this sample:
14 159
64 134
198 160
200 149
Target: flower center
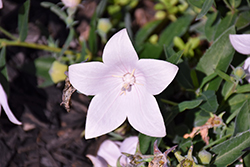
128 81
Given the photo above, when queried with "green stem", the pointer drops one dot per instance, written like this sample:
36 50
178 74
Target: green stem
169 102
35 46
5 32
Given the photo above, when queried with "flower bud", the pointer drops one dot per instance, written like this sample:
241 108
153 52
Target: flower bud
153 39
205 156
57 71
160 15
71 3
239 73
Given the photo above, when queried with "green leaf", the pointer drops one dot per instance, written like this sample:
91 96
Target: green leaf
236 102
189 104
218 56
243 20
183 76
243 89
146 143
151 51
223 75
205 7
101 8
228 89
225 23
23 16
230 150
235 3
242 122
177 28
196 3
211 25
175 57
207 79
145 32
210 101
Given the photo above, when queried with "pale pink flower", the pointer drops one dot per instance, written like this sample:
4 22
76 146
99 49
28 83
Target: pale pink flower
1 4
123 87
110 151
241 43
71 3
5 105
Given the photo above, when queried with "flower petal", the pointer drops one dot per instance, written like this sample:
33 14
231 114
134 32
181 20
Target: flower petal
91 78
106 112
119 50
97 161
129 145
110 152
144 113
4 103
158 74
241 43
246 67
1 4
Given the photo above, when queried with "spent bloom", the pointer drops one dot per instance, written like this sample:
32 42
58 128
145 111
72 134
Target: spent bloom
123 87
110 152
5 105
241 43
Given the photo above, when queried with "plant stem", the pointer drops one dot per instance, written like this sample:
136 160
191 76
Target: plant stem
36 46
5 32
169 102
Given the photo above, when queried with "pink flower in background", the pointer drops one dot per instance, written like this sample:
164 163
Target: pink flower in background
123 87
1 4
71 3
5 105
241 43
110 151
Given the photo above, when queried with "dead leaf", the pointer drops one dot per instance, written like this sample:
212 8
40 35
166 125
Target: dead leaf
67 92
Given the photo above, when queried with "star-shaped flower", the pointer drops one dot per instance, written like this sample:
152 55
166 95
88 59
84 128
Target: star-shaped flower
5 105
123 87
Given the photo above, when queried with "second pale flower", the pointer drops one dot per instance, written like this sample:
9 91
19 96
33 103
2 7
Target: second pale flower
123 87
